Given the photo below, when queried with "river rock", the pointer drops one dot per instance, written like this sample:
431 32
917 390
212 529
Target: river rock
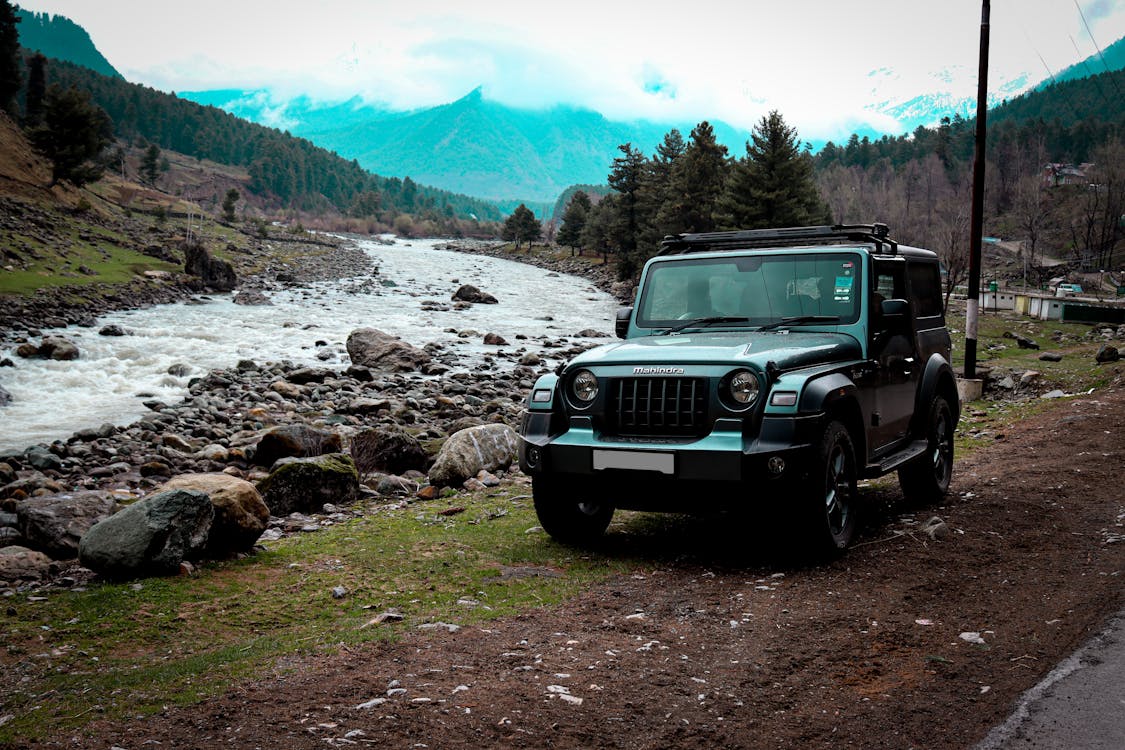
469 293
59 348
388 449
54 524
304 485
306 375
494 339
295 440
240 513
41 458
113 330
20 563
466 453
214 273
150 537
377 350
5 397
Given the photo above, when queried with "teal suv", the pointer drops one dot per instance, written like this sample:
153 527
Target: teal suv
759 370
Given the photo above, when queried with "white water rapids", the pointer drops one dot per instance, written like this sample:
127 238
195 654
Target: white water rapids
114 375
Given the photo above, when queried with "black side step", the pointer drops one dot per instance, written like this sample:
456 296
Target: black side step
896 460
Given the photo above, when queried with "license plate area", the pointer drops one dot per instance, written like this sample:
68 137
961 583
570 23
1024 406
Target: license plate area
663 463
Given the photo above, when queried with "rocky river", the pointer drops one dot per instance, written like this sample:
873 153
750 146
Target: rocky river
413 344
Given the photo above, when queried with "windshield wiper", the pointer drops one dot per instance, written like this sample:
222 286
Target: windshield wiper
700 322
800 320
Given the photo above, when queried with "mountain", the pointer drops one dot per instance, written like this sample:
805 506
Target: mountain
62 39
473 145
287 169
1110 59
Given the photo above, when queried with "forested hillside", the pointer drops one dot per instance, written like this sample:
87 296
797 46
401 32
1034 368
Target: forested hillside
1070 118
292 169
63 39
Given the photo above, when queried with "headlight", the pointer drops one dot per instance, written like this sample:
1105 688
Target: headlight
744 388
584 387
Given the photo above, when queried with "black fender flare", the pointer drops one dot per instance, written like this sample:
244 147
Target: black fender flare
938 379
837 395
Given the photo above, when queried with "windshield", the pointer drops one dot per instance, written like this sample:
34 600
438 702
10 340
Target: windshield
763 289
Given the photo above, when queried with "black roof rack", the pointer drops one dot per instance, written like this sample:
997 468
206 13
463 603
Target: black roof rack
702 242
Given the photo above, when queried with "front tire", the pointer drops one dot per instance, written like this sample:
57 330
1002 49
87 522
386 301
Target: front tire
926 480
831 492
569 511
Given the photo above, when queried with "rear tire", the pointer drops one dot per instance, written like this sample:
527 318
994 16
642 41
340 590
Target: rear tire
925 480
831 493
568 510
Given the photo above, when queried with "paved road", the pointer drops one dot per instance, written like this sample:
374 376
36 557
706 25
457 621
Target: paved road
1080 705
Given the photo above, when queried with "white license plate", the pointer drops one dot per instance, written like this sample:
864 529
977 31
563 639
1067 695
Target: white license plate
665 463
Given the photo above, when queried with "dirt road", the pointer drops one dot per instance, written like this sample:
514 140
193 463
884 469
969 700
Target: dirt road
904 642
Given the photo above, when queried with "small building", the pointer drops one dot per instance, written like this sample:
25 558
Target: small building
1058 174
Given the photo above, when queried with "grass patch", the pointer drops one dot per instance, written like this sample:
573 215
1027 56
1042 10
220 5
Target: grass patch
127 649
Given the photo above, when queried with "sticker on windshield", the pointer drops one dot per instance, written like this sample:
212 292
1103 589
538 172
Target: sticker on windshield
843 291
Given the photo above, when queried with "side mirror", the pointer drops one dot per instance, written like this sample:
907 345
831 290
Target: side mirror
624 315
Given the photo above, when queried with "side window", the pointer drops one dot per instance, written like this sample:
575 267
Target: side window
925 285
890 280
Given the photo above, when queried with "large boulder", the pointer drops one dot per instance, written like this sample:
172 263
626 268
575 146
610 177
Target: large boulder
295 440
55 523
1107 353
150 537
52 347
240 513
20 563
466 453
214 273
377 350
469 293
388 449
304 485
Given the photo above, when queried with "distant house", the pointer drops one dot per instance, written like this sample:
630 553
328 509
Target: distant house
1066 174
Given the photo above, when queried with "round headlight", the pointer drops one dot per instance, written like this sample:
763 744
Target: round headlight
744 388
584 386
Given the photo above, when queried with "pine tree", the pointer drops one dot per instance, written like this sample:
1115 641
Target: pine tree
773 185
696 181
10 79
520 226
36 90
574 221
150 164
229 202
73 135
657 190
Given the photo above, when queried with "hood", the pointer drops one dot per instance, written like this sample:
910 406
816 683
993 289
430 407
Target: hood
790 350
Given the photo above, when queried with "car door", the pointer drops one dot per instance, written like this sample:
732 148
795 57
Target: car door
893 353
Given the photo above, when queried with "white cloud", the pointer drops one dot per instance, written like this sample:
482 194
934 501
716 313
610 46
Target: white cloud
717 59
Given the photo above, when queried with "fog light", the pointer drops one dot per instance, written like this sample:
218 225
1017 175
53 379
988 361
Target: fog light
534 456
776 466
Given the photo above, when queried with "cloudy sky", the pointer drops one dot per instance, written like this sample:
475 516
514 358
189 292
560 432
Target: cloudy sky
817 61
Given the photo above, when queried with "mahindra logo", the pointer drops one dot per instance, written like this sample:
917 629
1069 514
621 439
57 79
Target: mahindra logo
658 371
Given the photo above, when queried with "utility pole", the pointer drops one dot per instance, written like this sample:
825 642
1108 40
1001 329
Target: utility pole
976 219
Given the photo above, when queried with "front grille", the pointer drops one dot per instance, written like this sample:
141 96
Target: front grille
657 406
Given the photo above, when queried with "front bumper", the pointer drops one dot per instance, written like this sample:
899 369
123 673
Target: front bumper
777 456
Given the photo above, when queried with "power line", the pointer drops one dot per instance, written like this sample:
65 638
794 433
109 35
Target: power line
1099 49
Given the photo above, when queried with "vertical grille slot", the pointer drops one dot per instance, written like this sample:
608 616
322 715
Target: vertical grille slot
657 406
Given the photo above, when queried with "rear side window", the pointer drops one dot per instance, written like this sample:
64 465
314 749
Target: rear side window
925 288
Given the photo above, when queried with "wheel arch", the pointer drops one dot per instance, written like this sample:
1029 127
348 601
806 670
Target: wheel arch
938 379
837 398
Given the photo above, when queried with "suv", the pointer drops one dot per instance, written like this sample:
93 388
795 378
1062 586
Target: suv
761 370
